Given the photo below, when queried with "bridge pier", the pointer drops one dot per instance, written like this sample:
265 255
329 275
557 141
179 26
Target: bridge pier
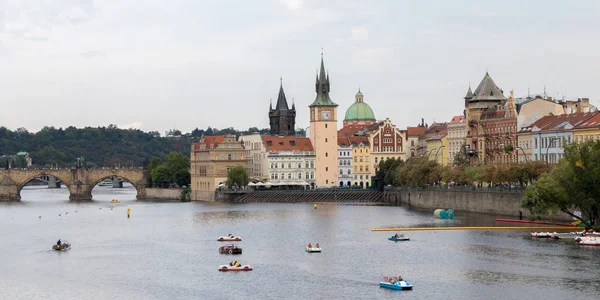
9 190
117 183
53 183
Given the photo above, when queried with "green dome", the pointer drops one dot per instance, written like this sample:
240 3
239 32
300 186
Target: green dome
359 111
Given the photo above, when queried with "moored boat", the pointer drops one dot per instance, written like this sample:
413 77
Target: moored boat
64 246
541 234
225 268
588 241
229 238
395 283
230 249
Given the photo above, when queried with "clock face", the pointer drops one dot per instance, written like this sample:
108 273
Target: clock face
325 115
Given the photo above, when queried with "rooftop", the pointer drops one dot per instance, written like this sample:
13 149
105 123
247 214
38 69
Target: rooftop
286 143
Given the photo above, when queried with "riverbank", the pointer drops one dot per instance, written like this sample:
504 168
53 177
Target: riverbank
491 202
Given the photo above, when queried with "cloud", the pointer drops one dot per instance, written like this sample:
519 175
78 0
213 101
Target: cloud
93 53
292 4
430 32
37 38
134 125
359 33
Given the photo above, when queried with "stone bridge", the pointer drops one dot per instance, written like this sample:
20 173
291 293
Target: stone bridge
79 181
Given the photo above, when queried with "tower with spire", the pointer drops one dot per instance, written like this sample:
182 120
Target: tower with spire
323 131
282 119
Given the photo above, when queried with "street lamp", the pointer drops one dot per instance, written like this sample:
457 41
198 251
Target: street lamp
550 142
436 153
525 155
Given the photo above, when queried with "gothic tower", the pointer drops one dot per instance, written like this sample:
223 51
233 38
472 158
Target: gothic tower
323 132
282 119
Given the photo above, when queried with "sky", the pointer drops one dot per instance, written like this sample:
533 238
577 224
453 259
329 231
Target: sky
159 65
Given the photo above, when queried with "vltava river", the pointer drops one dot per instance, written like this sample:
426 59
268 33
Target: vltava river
169 251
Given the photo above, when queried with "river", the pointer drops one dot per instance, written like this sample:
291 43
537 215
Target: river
168 250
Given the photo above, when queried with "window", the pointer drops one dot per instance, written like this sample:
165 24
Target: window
361 168
289 165
272 176
306 175
367 168
326 154
361 159
326 169
326 181
349 172
355 169
275 175
366 158
299 165
312 175
325 125
289 175
355 159
312 164
341 172
325 140
376 160
283 165
306 165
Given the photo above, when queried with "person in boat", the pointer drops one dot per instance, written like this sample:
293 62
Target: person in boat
400 278
395 235
309 245
58 242
317 246
236 264
231 263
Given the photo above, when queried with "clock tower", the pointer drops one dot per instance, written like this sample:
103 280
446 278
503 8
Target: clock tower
323 132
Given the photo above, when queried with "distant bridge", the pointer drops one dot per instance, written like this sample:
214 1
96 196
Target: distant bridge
79 181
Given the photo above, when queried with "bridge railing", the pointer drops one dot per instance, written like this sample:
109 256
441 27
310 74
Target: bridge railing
498 188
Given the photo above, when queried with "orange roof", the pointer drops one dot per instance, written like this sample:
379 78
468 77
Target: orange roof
355 140
210 140
286 143
593 122
350 130
343 142
457 119
558 122
415 131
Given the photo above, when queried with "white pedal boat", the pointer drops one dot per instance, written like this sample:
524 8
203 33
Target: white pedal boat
226 268
541 234
229 238
313 249
588 241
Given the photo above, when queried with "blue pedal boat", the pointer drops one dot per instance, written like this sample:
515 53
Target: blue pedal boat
399 239
397 285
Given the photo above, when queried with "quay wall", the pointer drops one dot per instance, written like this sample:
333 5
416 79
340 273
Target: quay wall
506 203
169 194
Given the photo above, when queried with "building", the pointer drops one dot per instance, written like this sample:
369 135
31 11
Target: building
438 145
282 119
532 109
210 161
362 170
257 163
386 142
290 160
588 130
345 177
359 113
412 141
579 105
549 134
323 132
457 133
435 129
498 132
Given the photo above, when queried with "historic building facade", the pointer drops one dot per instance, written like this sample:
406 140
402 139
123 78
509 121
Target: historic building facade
345 176
290 160
323 132
359 113
457 133
362 168
438 148
282 119
386 142
412 141
498 132
211 158
256 157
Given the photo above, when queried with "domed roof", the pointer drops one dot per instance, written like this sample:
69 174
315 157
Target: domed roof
359 111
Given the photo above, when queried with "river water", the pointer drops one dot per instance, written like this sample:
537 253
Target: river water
168 250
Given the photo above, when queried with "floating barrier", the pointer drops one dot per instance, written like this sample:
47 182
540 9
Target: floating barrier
533 222
553 228
444 214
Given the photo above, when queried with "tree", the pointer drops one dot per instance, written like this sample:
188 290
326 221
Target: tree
237 176
177 162
461 157
571 187
161 176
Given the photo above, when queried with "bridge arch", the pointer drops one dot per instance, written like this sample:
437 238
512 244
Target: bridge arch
140 186
21 182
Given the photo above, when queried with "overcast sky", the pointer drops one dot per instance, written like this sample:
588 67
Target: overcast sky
185 64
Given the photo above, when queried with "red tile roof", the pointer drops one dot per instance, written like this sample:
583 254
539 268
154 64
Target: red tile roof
457 119
558 122
286 143
355 140
415 131
593 122
350 130
343 142
208 140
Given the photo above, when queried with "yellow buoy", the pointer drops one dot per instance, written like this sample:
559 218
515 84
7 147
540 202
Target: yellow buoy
128 212
315 205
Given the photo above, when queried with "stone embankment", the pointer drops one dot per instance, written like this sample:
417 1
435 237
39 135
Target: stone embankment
494 202
163 194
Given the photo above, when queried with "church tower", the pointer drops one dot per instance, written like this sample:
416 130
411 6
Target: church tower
323 132
282 119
